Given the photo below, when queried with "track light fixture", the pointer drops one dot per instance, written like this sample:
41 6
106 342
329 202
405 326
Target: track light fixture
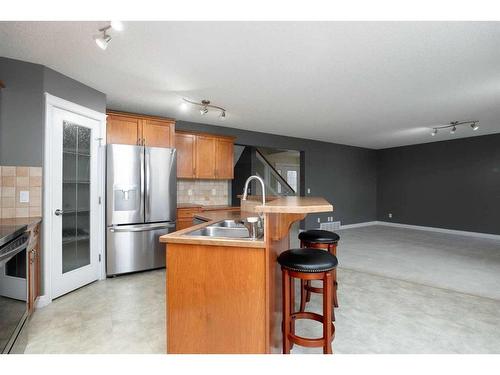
204 107
103 38
474 124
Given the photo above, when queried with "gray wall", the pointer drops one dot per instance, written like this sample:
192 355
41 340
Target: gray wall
451 184
21 113
22 108
345 175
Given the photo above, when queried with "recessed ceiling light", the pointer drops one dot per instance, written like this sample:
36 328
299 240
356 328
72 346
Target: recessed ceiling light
184 106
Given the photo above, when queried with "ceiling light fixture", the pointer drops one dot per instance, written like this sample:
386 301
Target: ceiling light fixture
103 38
204 107
474 124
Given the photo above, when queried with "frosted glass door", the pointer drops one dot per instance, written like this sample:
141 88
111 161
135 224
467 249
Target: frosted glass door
76 196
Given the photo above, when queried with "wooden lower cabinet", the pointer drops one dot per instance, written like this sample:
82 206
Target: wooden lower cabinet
216 300
34 268
185 216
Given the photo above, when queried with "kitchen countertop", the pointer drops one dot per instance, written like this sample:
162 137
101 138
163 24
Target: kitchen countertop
182 236
11 228
288 205
207 208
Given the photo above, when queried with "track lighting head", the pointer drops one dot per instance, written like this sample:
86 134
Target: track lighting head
204 106
102 40
474 124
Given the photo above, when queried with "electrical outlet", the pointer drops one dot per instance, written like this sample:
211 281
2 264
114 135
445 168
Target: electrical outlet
319 220
24 196
190 192
308 190
390 215
214 192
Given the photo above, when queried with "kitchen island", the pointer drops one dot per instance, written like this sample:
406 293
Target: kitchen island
224 294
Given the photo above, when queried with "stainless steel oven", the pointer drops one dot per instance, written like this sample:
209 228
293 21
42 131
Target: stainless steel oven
13 287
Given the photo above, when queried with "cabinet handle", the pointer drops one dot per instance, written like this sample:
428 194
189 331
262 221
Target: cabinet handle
144 141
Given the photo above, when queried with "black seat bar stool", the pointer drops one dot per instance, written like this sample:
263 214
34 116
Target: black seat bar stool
318 239
307 264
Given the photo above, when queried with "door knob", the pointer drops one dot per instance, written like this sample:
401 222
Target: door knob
58 212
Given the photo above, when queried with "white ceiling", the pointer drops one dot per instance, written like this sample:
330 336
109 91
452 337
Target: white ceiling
370 84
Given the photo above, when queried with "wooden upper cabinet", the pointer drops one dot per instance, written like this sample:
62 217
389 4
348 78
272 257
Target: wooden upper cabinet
205 157
123 129
157 133
185 144
134 129
224 159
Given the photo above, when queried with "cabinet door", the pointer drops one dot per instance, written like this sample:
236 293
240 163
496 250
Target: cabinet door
205 156
185 144
224 155
123 130
156 133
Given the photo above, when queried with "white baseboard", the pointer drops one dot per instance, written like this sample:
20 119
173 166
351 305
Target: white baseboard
42 301
359 225
441 230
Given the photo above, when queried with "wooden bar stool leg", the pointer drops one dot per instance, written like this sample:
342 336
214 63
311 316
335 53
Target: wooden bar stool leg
292 308
302 295
335 286
308 292
327 312
286 310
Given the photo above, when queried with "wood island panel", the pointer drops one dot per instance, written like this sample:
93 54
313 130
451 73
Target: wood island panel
215 299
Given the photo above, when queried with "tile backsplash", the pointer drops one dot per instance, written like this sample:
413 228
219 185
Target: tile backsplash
16 182
205 192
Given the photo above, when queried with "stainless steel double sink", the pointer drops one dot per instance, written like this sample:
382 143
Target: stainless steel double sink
224 228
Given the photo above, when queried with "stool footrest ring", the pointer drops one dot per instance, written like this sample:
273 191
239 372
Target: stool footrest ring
302 341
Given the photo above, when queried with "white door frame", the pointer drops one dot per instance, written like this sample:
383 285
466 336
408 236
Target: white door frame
52 102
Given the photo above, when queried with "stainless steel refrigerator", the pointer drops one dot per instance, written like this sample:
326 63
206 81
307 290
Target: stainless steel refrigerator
141 202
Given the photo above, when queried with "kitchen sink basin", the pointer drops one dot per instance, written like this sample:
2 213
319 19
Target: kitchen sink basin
228 224
220 231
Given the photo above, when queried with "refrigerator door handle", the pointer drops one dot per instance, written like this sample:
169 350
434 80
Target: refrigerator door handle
142 183
147 182
141 228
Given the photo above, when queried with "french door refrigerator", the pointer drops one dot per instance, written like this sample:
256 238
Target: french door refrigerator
141 202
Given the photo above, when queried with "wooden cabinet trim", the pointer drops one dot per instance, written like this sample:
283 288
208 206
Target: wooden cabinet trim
138 115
